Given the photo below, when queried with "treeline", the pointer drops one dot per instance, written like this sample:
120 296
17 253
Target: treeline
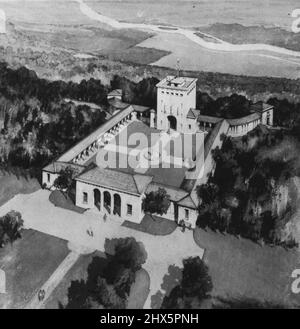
37 124
239 198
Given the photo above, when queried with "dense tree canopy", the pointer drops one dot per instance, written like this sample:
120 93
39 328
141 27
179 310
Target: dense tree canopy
10 227
194 288
156 202
109 280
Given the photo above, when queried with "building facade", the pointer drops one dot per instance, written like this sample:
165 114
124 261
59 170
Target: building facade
176 96
118 192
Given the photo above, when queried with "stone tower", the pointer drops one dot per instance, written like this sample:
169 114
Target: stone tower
176 96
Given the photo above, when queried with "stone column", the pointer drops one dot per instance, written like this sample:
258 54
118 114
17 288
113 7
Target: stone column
152 118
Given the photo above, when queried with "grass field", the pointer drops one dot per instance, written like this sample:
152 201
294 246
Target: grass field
139 290
196 58
12 184
241 268
193 13
28 263
90 40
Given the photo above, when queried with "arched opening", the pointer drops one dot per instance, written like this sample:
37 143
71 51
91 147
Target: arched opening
107 201
117 205
268 119
97 199
172 122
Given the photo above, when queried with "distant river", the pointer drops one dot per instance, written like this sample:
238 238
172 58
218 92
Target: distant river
217 45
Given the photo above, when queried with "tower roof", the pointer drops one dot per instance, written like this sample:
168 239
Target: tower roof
179 83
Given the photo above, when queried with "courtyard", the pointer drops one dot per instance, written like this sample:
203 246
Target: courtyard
41 215
239 268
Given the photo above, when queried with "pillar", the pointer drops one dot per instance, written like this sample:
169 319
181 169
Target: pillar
152 118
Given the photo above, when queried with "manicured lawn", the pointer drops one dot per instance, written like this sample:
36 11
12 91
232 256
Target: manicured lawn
28 263
241 268
156 226
62 200
11 184
139 290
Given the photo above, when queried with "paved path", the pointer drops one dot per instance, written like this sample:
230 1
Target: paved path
54 280
162 251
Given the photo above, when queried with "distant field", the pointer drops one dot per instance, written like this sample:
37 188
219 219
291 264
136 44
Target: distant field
63 12
138 55
91 40
239 34
196 58
199 13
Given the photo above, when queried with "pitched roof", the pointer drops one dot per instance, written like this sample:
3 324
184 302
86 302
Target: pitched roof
116 92
175 194
140 108
117 103
187 202
244 120
209 119
57 166
193 114
125 182
261 106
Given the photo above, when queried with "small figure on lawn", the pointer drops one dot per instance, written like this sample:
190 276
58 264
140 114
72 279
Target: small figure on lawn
41 294
105 218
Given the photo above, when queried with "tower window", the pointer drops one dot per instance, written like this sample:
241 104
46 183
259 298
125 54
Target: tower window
48 178
129 209
85 197
190 127
186 214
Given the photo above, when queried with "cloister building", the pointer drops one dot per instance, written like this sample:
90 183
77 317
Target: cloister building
115 190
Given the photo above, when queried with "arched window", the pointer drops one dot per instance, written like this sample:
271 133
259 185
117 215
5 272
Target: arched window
97 198
107 201
117 205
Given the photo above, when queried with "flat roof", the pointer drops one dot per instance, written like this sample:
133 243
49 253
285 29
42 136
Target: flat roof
180 83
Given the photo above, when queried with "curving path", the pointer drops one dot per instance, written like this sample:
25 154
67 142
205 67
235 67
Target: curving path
191 35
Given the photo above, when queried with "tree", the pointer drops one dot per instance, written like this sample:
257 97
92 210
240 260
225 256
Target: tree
65 179
10 226
194 288
207 193
130 253
156 202
109 279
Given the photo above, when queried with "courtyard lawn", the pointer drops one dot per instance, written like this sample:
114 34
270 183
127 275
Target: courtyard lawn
28 264
154 226
12 184
242 268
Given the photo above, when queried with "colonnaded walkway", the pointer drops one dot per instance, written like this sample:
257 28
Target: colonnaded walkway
162 251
